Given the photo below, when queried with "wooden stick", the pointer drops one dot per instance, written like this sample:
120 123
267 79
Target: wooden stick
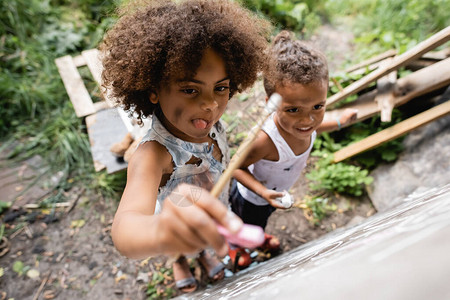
370 61
41 287
393 132
385 97
244 148
434 41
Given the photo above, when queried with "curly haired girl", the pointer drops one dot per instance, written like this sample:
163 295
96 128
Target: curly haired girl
179 62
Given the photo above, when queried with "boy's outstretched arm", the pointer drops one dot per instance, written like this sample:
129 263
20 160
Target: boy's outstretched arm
187 222
260 150
349 115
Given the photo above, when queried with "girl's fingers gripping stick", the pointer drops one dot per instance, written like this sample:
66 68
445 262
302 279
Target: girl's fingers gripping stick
249 235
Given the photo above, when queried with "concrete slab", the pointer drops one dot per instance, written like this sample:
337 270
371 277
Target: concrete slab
402 253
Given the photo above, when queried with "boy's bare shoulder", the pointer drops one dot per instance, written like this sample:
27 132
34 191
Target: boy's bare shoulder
263 147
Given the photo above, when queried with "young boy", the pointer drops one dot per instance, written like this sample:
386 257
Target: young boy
282 147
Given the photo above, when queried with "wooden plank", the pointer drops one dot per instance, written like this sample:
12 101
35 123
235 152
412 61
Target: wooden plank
93 63
437 55
101 105
79 61
385 97
393 132
434 41
409 87
106 128
372 60
78 94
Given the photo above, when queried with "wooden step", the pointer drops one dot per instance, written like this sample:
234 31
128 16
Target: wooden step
393 132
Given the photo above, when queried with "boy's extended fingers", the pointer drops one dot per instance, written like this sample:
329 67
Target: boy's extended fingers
277 204
277 195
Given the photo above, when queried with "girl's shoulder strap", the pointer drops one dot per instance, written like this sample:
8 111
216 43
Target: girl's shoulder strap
175 146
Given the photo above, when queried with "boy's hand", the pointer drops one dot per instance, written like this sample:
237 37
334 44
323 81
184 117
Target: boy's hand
349 115
188 220
271 197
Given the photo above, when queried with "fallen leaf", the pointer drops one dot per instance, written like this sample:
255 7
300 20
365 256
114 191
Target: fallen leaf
46 211
49 294
33 274
98 275
18 267
77 223
144 262
119 278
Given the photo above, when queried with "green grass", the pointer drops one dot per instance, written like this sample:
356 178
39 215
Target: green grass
35 109
395 24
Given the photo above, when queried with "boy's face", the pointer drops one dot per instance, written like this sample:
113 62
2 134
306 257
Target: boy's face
191 106
302 109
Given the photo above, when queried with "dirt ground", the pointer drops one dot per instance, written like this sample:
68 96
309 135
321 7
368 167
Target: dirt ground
66 252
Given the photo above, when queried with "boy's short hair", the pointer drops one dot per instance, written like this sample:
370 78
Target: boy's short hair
158 41
293 61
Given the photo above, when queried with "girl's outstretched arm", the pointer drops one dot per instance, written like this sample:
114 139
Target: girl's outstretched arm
187 222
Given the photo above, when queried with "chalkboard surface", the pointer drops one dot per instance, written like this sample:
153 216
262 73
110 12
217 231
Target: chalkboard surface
403 253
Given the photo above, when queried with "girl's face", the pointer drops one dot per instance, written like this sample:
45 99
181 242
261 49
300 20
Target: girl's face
191 106
302 109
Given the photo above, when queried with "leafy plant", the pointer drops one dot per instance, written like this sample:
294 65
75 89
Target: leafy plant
20 268
384 25
317 208
298 16
2 231
157 287
4 206
340 177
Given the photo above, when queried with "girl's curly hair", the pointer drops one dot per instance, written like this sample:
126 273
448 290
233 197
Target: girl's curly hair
155 41
293 61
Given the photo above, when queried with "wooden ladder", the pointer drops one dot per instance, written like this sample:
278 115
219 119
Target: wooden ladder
105 123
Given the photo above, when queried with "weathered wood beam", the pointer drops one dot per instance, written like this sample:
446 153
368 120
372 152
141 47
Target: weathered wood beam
372 60
407 88
78 94
393 132
398 61
385 97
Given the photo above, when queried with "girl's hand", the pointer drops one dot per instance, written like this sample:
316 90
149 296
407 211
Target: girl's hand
187 222
271 197
349 115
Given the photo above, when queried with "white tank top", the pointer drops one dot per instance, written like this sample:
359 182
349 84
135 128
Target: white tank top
276 175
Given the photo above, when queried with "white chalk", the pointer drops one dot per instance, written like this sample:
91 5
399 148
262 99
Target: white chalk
273 103
286 200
